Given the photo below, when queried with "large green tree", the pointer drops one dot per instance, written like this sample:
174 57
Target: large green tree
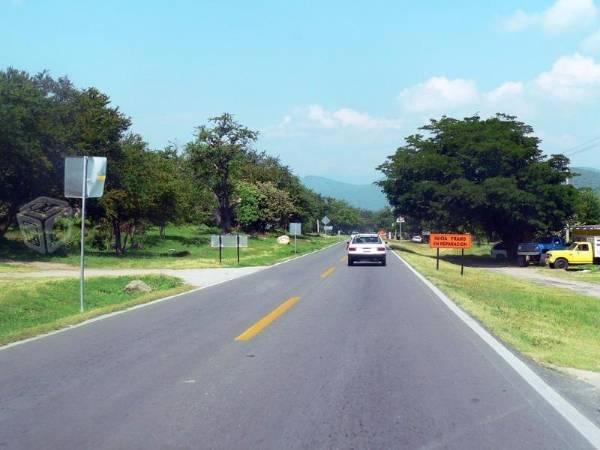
474 174
42 120
217 156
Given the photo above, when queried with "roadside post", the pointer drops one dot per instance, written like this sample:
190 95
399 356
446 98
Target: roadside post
84 178
400 220
325 221
223 241
295 229
451 241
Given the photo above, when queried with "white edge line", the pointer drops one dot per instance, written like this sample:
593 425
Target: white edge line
581 423
153 302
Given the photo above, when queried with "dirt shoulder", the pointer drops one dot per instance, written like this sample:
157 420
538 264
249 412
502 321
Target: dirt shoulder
538 276
193 277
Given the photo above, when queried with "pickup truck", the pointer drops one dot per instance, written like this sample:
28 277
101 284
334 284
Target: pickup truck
536 251
586 252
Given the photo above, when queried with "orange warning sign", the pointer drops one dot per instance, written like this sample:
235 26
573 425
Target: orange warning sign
450 241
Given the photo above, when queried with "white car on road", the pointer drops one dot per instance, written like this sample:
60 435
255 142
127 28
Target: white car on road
366 247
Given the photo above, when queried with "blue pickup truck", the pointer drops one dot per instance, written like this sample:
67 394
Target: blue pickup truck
536 251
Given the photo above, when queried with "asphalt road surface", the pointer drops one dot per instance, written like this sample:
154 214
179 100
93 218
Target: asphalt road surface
307 354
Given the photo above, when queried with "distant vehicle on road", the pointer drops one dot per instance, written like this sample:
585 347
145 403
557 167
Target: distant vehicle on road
367 247
418 239
536 251
578 253
499 251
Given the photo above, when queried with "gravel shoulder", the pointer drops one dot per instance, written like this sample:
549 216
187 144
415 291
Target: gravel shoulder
535 275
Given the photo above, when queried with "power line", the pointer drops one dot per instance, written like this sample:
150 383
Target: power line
586 144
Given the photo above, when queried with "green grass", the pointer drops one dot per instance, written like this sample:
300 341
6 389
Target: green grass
183 247
36 306
550 325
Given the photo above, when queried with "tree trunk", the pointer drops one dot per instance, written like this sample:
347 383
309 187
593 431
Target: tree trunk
162 231
225 216
117 234
7 220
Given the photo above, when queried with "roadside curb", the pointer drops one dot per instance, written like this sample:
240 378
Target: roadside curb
579 421
153 302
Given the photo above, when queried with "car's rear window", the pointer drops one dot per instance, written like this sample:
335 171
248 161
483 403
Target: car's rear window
366 240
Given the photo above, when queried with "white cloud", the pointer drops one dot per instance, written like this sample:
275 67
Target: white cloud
591 44
571 78
520 21
439 94
563 15
506 91
317 117
342 118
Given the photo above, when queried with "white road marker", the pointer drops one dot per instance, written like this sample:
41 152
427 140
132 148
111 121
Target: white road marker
581 423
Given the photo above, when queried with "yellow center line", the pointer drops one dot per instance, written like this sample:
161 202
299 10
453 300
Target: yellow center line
328 272
267 320
343 258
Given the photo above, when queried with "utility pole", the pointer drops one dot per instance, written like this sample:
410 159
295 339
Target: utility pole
568 229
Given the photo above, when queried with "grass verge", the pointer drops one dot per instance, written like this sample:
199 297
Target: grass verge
37 306
183 247
550 325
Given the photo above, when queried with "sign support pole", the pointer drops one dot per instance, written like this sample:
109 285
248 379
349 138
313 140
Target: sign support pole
83 196
462 262
295 244
238 248
437 264
220 249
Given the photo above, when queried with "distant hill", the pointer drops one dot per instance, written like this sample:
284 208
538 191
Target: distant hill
364 196
588 177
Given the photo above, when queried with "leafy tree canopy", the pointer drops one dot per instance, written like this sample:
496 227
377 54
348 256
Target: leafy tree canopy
480 175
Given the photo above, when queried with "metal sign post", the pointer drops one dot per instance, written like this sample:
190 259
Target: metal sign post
238 247
295 229
84 178
81 267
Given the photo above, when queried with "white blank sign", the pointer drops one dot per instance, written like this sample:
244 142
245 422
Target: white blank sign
295 228
96 175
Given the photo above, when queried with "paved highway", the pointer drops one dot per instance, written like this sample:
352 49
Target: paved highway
307 354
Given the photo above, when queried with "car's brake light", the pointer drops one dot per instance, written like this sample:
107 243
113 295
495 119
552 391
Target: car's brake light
380 249
351 249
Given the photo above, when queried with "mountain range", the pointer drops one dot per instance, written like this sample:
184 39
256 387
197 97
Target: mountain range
587 177
370 197
363 196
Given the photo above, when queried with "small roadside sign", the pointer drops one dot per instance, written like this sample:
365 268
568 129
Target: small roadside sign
451 241
325 220
400 220
95 170
295 229
84 178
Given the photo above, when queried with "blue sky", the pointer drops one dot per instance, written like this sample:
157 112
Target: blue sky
334 86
